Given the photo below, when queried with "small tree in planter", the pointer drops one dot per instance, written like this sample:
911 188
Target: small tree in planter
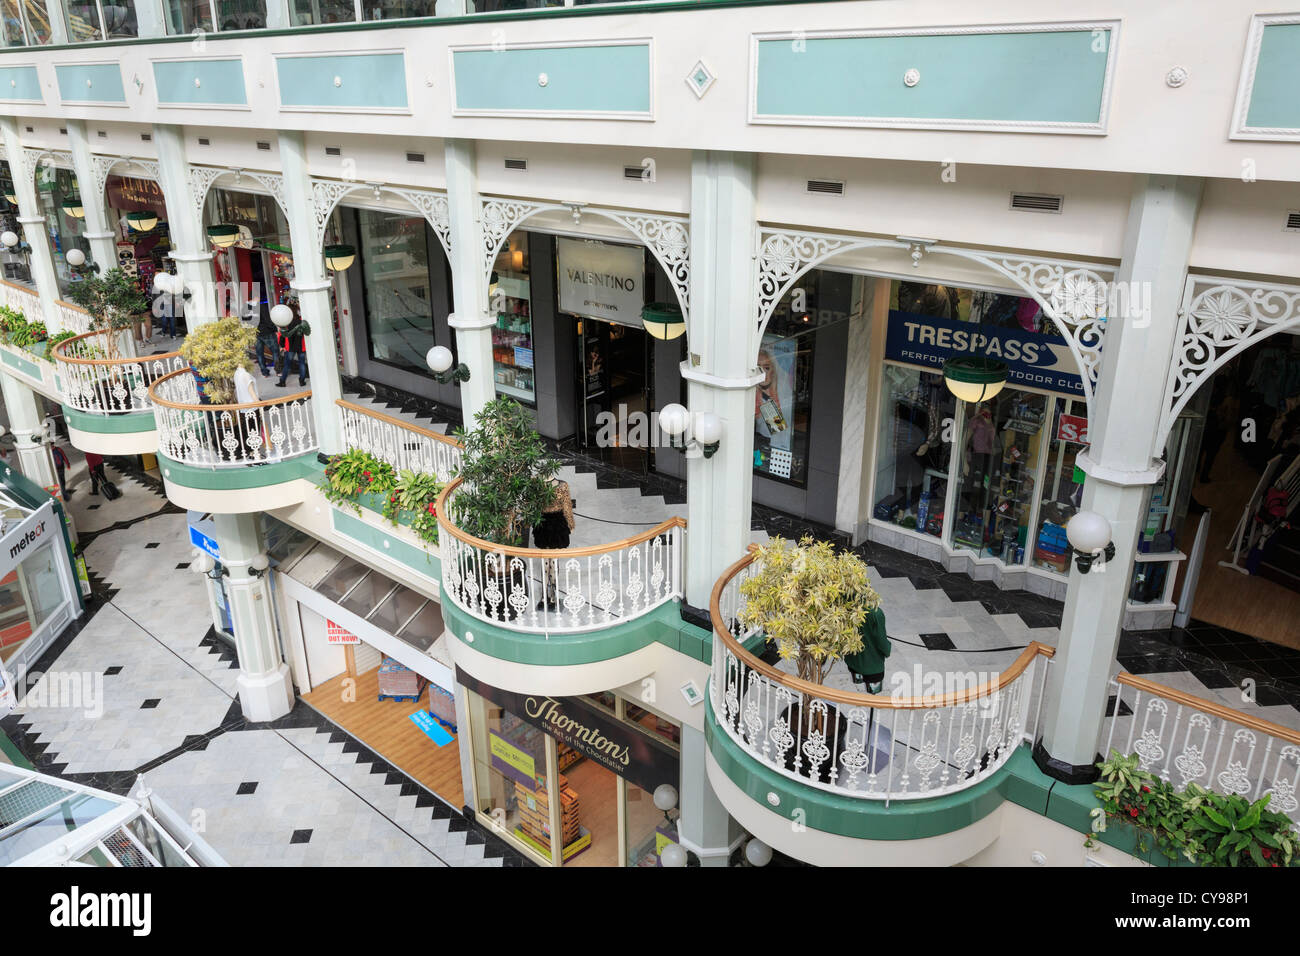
217 350
113 300
811 603
507 475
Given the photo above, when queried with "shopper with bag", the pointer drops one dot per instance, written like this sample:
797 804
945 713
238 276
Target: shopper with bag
98 479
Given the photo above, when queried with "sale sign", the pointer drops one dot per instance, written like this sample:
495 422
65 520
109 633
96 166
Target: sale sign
336 634
1072 428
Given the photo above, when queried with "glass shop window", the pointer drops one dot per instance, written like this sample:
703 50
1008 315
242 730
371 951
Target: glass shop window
309 12
509 293
1001 440
100 19
395 257
1062 484
914 449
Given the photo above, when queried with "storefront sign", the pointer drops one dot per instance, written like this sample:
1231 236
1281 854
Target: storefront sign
610 742
25 537
511 761
204 543
136 195
1033 359
1072 428
337 634
601 281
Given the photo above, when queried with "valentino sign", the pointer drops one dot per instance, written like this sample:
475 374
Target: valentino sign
601 280
619 746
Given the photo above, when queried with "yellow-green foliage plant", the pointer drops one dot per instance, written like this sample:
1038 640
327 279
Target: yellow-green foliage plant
810 602
218 349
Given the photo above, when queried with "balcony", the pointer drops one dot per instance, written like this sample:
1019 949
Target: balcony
231 458
864 770
106 400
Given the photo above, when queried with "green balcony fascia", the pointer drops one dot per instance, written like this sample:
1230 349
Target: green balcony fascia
121 423
238 477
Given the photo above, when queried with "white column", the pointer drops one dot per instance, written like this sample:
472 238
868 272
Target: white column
103 246
472 318
33 223
190 248
265 690
1121 463
720 368
25 420
312 283
704 827
150 19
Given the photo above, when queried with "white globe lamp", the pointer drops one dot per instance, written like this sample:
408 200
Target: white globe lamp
281 315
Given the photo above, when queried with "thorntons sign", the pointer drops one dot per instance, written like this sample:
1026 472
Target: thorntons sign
601 281
595 733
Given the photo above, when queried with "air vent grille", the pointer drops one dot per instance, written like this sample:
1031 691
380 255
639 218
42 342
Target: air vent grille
63 131
645 174
333 151
826 187
29 129
415 157
204 141
101 134
516 164
1037 202
1292 221
264 145
146 137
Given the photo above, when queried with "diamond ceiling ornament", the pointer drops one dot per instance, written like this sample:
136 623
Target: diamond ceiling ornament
700 79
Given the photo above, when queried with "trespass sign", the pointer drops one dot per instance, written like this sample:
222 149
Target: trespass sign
1033 359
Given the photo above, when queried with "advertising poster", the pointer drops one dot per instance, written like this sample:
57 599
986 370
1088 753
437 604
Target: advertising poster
774 405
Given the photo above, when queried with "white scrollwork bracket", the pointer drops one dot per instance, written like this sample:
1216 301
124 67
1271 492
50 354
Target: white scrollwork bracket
201 180
431 204
35 158
434 207
1219 320
101 166
669 241
274 184
499 218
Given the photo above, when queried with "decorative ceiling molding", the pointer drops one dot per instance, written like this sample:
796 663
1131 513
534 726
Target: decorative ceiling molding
1073 295
667 237
1219 319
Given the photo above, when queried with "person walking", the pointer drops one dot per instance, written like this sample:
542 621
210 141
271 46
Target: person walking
97 477
61 466
293 341
267 338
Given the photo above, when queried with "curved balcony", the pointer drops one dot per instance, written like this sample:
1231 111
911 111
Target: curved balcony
845 758
603 598
231 458
106 400
405 446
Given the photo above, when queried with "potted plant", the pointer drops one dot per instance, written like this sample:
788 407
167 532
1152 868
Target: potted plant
507 484
113 301
810 602
507 475
216 351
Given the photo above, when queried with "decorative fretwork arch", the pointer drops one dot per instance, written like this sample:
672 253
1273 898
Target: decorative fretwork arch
102 166
1074 295
33 158
667 237
430 203
203 177
1219 319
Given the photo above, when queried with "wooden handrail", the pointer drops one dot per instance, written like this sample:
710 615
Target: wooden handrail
72 305
550 554
153 397
61 356
400 423
19 286
1210 707
852 698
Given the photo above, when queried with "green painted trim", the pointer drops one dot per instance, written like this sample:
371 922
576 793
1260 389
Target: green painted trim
851 816
542 13
26 366
13 753
235 479
120 424
1273 101
417 559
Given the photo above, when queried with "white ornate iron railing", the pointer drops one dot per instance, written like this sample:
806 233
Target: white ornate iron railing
73 318
569 590
92 382
405 446
1185 739
22 299
867 746
228 436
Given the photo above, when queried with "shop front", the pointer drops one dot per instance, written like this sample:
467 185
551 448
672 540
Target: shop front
138 214
989 486
573 781
59 196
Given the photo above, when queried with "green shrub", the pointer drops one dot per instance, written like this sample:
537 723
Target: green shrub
218 349
353 473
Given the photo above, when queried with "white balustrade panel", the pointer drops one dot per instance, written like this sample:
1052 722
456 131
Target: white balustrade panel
562 594
403 448
1181 744
230 436
116 388
71 318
